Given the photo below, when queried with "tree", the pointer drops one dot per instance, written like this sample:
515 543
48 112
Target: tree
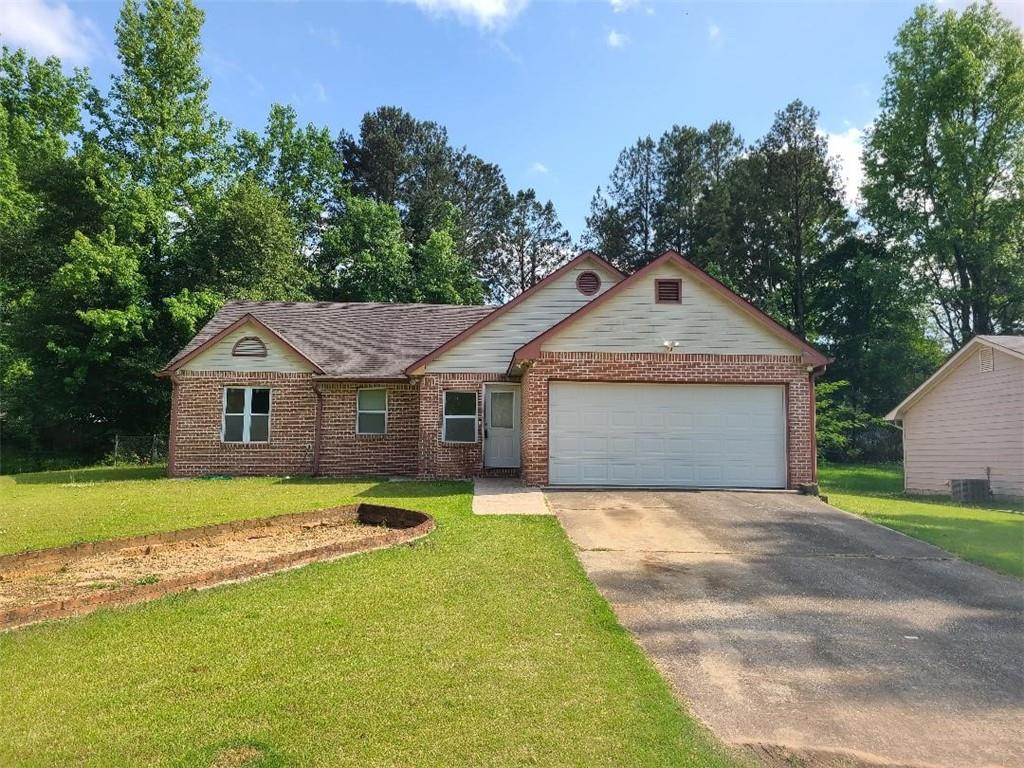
241 245
410 164
84 335
364 256
944 166
803 204
156 125
302 166
871 321
533 244
442 275
621 224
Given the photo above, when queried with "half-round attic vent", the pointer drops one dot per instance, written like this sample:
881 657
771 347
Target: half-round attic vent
249 346
588 283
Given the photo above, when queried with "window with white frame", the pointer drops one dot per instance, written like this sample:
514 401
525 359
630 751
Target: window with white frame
460 417
246 415
371 411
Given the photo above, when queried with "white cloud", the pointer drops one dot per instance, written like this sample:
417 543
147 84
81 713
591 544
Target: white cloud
485 13
319 91
714 31
847 147
49 29
617 39
618 6
539 167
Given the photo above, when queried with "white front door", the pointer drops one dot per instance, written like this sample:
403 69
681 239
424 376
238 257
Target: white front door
698 435
501 425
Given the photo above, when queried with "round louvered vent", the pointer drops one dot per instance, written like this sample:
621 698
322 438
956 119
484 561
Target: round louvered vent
588 283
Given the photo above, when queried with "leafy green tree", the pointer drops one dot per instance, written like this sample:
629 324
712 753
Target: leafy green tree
442 276
621 224
944 165
301 166
533 244
83 335
785 214
241 245
410 164
365 256
156 126
873 323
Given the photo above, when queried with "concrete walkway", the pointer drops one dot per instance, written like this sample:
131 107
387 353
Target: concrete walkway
507 496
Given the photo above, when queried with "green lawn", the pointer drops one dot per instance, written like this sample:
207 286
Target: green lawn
484 645
991 535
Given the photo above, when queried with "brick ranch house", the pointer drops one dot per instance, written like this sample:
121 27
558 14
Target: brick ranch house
591 377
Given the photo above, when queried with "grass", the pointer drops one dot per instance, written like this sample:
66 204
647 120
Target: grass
991 535
484 644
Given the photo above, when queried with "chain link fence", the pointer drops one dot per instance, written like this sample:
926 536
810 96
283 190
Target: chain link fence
139 449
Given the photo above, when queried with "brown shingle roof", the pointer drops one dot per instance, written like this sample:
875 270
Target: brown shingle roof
354 340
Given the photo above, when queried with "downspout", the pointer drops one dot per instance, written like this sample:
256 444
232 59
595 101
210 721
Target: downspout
813 374
318 422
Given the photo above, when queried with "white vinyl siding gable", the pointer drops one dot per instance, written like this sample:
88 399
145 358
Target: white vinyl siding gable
970 420
218 357
702 322
490 349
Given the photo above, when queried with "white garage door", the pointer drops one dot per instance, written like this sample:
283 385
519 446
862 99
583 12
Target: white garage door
731 436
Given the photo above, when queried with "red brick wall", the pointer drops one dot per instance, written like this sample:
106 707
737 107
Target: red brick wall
438 458
666 368
196 447
345 453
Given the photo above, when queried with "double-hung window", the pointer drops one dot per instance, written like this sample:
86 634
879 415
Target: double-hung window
246 415
460 417
371 412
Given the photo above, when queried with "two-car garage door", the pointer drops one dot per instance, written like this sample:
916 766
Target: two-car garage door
683 435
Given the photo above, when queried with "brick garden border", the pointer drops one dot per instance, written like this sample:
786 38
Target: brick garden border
404 526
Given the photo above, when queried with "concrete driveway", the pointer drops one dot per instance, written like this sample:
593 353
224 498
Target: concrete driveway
787 623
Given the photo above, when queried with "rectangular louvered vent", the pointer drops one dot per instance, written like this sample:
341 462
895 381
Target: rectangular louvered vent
668 291
986 360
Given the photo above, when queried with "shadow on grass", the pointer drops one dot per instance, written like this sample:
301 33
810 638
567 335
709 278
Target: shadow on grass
88 475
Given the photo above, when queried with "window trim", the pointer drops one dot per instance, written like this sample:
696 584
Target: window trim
475 417
246 415
679 287
365 410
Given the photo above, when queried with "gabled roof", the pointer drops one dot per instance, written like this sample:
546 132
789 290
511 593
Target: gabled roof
533 289
532 348
342 340
1011 345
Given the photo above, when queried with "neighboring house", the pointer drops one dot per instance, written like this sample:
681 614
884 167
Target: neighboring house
967 420
662 378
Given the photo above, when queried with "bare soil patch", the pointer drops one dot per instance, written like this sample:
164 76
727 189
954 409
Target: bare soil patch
70 580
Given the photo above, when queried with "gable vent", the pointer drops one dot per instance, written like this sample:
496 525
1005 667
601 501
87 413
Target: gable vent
588 283
986 360
249 346
668 291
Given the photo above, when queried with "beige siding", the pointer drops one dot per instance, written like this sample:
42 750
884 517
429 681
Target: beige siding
490 349
968 421
703 323
218 357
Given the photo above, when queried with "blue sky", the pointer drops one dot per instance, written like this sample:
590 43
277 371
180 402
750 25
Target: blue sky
549 90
